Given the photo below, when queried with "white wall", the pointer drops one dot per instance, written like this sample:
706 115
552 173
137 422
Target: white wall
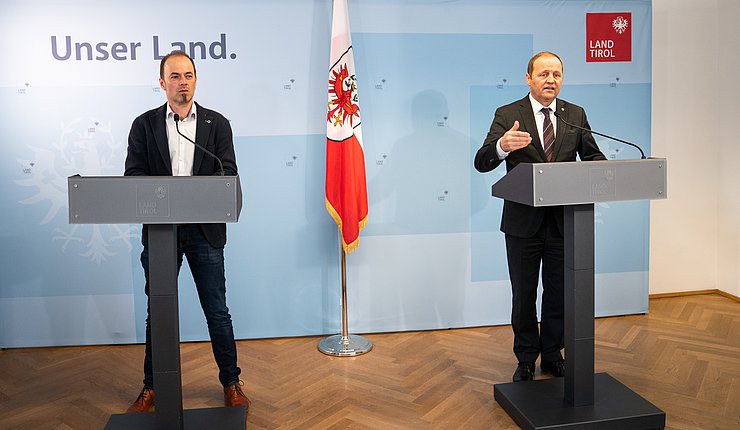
694 233
728 209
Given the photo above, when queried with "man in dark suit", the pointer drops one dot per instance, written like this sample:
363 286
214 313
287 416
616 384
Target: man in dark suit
155 148
527 131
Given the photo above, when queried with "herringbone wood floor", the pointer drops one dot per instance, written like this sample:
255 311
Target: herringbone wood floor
684 357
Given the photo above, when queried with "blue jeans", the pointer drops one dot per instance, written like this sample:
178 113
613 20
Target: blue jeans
207 266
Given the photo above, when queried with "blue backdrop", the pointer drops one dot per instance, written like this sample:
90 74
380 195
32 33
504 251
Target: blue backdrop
431 74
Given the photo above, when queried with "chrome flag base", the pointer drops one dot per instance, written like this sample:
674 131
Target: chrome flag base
340 346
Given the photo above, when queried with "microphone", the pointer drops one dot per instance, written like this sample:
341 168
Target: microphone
557 115
177 127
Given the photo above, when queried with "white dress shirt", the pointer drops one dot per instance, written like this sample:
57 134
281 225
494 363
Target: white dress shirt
182 152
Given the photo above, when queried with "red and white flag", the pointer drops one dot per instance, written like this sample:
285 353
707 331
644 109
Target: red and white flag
346 190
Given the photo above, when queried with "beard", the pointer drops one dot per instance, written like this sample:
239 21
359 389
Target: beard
183 98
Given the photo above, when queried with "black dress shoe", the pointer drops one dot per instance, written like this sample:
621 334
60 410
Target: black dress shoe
555 368
524 371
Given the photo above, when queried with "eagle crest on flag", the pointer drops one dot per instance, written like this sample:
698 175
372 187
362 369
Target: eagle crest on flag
343 99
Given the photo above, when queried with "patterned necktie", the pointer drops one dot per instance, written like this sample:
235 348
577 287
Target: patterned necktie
548 134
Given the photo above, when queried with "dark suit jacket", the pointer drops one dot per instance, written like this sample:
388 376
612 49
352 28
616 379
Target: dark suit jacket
148 154
518 219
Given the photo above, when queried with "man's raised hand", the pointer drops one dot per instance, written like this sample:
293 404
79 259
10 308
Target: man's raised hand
514 139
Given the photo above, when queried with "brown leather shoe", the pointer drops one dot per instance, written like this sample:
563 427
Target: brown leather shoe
234 396
144 403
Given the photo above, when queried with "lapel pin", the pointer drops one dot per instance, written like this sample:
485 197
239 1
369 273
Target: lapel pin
208 121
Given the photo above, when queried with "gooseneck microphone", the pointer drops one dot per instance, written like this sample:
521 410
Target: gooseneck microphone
557 114
220 164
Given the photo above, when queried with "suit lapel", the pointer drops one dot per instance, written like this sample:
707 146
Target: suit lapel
560 129
202 133
159 128
529 124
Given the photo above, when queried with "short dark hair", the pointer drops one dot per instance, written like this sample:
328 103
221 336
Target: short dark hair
530 65
175 54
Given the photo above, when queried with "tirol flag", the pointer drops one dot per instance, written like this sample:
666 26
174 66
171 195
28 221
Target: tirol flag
346 190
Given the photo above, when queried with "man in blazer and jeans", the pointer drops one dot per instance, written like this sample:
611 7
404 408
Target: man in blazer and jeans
155 148
527 131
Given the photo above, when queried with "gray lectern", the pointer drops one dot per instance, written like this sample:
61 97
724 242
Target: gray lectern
581 399
162 202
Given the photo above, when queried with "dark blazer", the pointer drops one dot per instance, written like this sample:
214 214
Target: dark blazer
149 154
518 219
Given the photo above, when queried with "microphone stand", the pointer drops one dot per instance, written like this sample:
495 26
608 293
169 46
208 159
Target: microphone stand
557 115
177 127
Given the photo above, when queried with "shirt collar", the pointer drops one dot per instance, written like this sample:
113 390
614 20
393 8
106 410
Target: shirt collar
191 114
536 106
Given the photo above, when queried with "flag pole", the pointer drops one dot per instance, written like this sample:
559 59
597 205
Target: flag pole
346 189
344 344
